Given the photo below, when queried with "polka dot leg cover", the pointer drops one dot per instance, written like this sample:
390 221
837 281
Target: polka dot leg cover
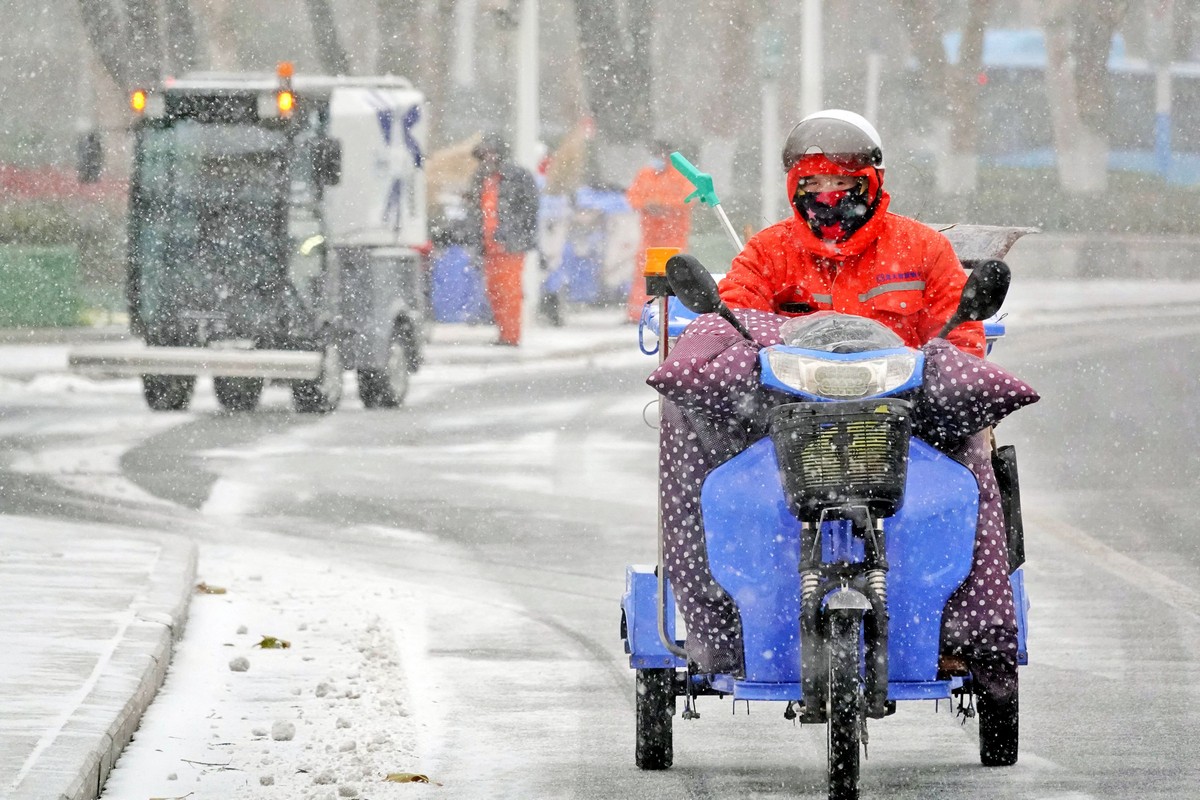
979 622
712 393
687 454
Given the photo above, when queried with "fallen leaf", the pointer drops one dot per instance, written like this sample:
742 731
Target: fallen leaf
407 777
204 588
272 643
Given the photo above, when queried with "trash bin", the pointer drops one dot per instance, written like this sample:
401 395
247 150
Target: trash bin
457 288
39 286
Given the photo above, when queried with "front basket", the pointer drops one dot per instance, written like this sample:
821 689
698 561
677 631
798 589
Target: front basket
845 453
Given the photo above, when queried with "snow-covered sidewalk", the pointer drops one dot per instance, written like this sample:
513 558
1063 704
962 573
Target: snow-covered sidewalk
88 615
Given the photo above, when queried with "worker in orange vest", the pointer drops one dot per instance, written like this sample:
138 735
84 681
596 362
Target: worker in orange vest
657 194
502 217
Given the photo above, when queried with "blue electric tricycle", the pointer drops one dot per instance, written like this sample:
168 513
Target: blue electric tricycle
824 534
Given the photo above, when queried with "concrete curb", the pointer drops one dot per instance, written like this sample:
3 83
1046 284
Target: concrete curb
76 765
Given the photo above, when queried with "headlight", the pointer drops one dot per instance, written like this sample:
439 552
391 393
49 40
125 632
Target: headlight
842 379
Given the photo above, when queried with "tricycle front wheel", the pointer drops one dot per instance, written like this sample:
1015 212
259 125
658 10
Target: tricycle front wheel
655 703
845 706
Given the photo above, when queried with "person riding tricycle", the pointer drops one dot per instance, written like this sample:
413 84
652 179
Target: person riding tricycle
826 471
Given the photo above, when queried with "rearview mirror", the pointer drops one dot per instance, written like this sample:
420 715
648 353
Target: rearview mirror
696 289
693 284
327 161
982 296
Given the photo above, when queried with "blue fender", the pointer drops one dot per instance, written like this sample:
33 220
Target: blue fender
639 620
753 550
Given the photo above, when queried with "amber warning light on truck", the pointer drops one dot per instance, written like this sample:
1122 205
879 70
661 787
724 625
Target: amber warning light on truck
285 100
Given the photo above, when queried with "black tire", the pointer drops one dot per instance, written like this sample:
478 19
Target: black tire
999 730
845 706
655 702
322 395
238 394
386 388
168 392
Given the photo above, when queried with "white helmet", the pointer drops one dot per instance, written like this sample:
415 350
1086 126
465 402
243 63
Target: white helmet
845 138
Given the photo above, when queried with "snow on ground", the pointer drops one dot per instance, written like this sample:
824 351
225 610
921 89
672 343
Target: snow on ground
330 716
343 706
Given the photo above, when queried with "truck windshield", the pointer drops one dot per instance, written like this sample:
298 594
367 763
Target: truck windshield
209 214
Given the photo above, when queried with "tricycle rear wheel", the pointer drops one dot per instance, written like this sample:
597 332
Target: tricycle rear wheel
845 706
999 728
655 703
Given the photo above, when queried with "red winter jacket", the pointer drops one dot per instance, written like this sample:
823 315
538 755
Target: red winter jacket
893 269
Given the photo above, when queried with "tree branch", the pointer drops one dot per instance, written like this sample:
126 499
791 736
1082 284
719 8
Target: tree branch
329 49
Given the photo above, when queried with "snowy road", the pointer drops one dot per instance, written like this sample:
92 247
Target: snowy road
448 577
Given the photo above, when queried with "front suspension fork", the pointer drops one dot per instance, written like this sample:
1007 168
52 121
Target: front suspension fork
817 580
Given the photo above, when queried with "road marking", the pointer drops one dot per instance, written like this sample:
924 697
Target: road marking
1160 587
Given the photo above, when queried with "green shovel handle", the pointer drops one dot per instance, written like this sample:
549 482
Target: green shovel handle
701 180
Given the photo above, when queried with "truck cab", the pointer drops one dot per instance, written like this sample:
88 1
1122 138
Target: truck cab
277 231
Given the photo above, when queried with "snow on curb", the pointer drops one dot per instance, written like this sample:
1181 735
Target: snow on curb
75 764
329 713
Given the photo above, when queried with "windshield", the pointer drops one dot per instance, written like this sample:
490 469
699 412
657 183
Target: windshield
831 332
210 213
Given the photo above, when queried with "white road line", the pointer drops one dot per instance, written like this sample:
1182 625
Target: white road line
1160 587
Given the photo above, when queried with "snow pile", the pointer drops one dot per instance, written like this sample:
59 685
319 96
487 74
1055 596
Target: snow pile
286 685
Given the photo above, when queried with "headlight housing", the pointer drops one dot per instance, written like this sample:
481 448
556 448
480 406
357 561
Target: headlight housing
830 376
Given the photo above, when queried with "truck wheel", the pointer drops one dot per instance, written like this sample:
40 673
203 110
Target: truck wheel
387 387
655 703
238 394
168 392
845 706
323 394
999 730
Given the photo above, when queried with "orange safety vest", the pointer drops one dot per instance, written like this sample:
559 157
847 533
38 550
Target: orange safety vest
659 197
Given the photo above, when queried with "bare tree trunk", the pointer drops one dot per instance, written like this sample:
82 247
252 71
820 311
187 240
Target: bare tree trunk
329 49
221 50
937 82
183 44
958 165
616 73
103 27
432 74
1078 37
925 35
1095 24
611 71
400 52
734 101
144 40
640 40
1077 170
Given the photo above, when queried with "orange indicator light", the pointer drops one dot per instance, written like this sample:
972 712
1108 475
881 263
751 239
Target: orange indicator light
656 260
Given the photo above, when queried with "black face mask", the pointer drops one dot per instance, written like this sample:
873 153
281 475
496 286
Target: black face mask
838 221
